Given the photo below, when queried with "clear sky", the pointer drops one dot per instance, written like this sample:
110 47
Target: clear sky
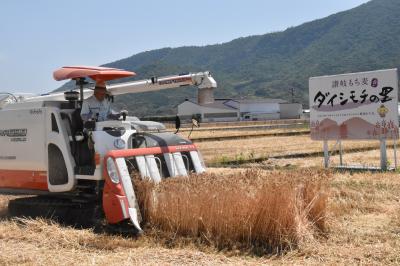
38 36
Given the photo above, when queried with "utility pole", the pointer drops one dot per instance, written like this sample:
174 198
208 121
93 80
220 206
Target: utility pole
292 92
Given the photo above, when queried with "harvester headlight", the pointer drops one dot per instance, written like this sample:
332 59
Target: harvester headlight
119 143
112 171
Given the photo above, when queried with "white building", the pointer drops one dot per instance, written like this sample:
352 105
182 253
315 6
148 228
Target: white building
235 110
207 112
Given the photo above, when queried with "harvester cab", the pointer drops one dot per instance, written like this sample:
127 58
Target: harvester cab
47 150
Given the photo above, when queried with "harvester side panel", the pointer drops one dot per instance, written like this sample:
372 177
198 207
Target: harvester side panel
23 140
23 160
30 140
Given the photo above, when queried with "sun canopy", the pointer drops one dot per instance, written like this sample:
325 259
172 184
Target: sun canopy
95 73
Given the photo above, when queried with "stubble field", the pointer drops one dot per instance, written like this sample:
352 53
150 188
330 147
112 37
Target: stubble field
330 217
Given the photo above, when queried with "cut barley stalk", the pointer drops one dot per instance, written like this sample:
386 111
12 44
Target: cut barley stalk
252 210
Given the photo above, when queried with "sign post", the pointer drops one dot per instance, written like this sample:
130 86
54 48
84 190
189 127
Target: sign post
383 155
356 106
326 154
340 153
395 154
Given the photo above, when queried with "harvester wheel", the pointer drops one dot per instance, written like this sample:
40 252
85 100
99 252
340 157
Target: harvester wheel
61 210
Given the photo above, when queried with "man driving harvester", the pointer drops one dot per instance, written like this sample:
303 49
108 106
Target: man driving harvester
98 106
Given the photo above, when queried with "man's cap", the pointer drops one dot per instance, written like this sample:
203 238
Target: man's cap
100 85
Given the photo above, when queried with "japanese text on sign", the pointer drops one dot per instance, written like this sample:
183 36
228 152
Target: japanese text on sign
350 106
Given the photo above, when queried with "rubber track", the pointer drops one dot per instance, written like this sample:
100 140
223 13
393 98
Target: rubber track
61 210
67 212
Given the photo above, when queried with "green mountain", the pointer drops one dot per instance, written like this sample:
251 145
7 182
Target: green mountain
363 38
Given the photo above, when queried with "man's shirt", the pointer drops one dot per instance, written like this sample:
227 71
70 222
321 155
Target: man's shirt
91 107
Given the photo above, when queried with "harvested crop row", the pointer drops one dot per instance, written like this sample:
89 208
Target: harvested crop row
253 210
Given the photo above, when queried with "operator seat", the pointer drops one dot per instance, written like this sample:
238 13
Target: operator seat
84 157
77 122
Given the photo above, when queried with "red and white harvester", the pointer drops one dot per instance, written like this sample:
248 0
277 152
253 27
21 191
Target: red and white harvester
74 167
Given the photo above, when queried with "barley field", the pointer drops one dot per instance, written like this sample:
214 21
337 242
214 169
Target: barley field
277 211
196 134
268 147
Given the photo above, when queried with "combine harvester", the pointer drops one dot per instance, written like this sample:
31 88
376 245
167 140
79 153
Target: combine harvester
82 169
